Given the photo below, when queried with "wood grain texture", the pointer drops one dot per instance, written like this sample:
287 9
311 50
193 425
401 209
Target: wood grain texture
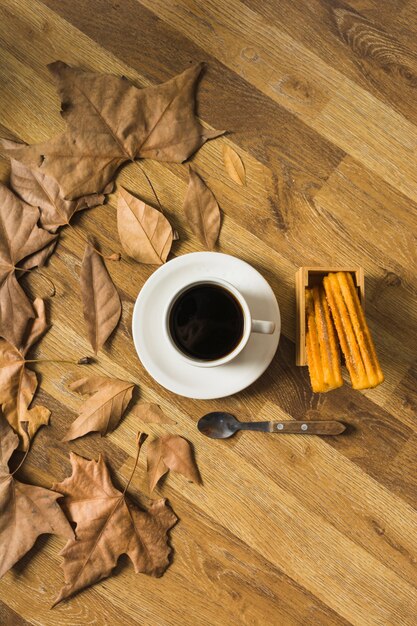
319 96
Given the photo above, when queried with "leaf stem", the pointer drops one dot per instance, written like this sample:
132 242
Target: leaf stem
115 256
85 360
140 438
150 185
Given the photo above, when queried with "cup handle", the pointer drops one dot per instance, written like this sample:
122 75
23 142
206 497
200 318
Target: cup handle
261 326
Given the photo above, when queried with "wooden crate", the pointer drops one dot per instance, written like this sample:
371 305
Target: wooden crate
309 277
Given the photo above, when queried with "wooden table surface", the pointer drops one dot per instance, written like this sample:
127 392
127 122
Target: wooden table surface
320 102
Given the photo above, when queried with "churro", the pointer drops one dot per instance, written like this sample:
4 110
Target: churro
323 356
352 331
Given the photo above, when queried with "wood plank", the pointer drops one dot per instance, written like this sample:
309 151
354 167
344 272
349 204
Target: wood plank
319 99
328 108
355 42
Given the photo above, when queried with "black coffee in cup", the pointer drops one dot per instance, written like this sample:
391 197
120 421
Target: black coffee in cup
206 322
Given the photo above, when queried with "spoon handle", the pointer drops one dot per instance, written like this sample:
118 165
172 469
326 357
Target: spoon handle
308 428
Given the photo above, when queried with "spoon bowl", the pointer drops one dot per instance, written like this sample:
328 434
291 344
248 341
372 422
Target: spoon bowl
218 425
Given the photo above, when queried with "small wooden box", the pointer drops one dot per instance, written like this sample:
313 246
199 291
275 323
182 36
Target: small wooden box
309 277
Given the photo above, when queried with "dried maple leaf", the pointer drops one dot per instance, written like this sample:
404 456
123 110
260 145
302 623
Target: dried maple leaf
42 191
151 414
171 452
18 384
104 409
26 511
111 121
109 525
20 238
233 165
145 233
101 302
202 211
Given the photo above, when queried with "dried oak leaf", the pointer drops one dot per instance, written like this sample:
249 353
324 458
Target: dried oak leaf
145 233
42 191
101 303
109 525
104 409
110 121
171 452
20 239
202 211
234 165
26 511
151 413
18 384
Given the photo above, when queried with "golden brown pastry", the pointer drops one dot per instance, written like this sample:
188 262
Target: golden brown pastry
323 356
352 331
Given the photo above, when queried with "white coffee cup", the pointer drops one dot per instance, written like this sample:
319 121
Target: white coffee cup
249 325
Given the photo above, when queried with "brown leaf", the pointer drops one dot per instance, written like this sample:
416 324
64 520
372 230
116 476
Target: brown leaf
110 121
20 238
101 302
38 259
26 511
42 191
145 233
202 211
171 452
150 413
18 384
104 409
109 525
233 165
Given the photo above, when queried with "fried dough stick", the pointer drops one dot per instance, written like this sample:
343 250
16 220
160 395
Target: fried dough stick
323 356
352 330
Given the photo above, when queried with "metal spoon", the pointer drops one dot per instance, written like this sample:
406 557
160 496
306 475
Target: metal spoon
219 425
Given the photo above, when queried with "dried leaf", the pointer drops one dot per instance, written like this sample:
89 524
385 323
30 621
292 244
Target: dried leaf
233 165
109 525
42 191
26 511
110 121
101 302
150 413
18 384
145 233
104 409
202 211
38 259
20 238
171 452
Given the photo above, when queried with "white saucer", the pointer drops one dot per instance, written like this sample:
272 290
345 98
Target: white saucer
161 360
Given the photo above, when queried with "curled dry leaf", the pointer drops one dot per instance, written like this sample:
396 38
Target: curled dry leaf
104 409
145 233
109 525
171 452
110 121
233 165
202 211
150 413
18 384
20 239
42 191
26 511
101 302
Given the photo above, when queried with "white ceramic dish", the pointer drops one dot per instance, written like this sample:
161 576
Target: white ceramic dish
161 359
